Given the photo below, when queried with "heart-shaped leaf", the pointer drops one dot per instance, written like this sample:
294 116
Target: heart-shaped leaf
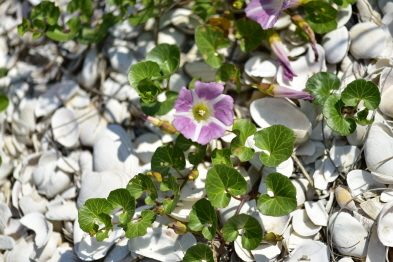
166 56
197 253
221 182
139 228
203 217
278 140
229 72
284 200
196 156
250 33
142 183
320 85
147 70
167 156
160 108
253 232
24 26
243 129
361 89
122 198
320 16
332 111
222 156
170 184
46 10
85 7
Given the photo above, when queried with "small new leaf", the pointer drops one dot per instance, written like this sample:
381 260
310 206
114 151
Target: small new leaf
140 228
142 183
229 72
203 217
243 129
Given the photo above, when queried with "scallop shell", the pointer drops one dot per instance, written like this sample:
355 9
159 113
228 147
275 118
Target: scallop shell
385 225
65 127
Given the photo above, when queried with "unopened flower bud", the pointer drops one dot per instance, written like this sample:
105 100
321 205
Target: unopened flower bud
159 210
163 125
306 28
238 4
193 175
156 175
272 238
178 227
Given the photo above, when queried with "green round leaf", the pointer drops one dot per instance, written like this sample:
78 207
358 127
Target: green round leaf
321 84
284 200
24 26
243 129
122 198
166 56
320 16
332 111
142 183
85 7
221 182
140 228
147 70
278 140
55 32
4 102
362 90
167 156
160 108
253 232
197 253
229 72
222 156
46 9
208 39
170 184
195 156
203 217
251 34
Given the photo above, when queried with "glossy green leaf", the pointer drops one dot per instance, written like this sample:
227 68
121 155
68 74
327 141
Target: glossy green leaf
142 183
222 156
24 26
199 252
344 3
335 119
361 90
148 90
203 218
142 17
143 70
320 16
166 56
209 39
84 6
122 198
39 24
139 228
196 156
170 184
250 33
243 129
278 140
320 86
46 10
221 182
160 108
205 9
4 102
95 209
284 200
362 118
253 232
229 72
88 35
56 32
3 72
167 156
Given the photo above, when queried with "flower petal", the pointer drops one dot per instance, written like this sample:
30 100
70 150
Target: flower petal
266 12
184 101
185 125
208 91
209 132
223 110
278 49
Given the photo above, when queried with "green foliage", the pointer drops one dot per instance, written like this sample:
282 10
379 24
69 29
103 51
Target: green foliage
166 157
55 32
167 57
84 6
205 8
142 183
47 11
243 129
142 17
194 157
139 228
94 35
170 184
24 26
223 181
362 90
203 217
320 86
284 200
344 3
253 232
197 253
250 34
4 102
122 198
222 156
229 72
278 140
320 16
160 108
209 39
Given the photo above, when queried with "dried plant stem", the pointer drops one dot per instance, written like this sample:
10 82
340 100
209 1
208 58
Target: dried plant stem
305 173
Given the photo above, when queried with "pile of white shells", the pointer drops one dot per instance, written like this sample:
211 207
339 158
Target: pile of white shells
73 132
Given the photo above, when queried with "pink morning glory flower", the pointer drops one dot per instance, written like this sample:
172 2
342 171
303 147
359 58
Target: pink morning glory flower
203 113
280 91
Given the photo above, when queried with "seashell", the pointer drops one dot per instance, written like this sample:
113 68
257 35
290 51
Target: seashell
184 20
367 40
348 234
67 211
200 69
296 240
266 252
125 30
229 211
121 58
33 203
243 254
372 207
310 250
344 15
386 106
145 43
115 111
386 6
302 224
146 145
119 252
21 251
40 225
336 45
6 242
376 250
65 127
368 11
43 254
100 184
64 254
195 190
316 212
260 65
385 226
171 36
162 244
285 114
306 149
182 210
344 156
113 150
304 190
67 164
346 259
387 195
5 215
86 162
319 151
343 196
360 181
356 138
377 148
89 73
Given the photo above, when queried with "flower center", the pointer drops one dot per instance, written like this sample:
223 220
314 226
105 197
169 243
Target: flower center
200 111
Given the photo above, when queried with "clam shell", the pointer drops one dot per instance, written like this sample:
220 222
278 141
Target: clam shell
296 240
386 6
343 196
310 250
40 225
376 250
285 114
65 127
67 211
387 195
302 224
89 74
360 181
386 106
368 11
5 215
6 242
372 207
344 15
346 259
348 234
21 251
316 212
146 145
336 44
304 190
121 58
385 225
260 65
367 40
171 36
266 252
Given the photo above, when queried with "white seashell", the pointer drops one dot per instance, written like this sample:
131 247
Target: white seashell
40 225
47 251
200 69
6 242
89 74
283 22
302 224
260 65
348 235
68 211
182 210
377 148
121 58
113 150
336 44
304 190
285 114
21 251
125 30
372 207
145 43
344 15
346 259
184 20
5 215
65 127
344 156
310 251
119 252
385 226
306 149
266 252
360 181
146 145
171 36
356 138
376 250
386 6
64 254
343 196
33 203
229 211
243 254
67 164
115 111
195 190
296 240
367 40
319 151
162 244
386 106
316 212
86 162
368 11
387 195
